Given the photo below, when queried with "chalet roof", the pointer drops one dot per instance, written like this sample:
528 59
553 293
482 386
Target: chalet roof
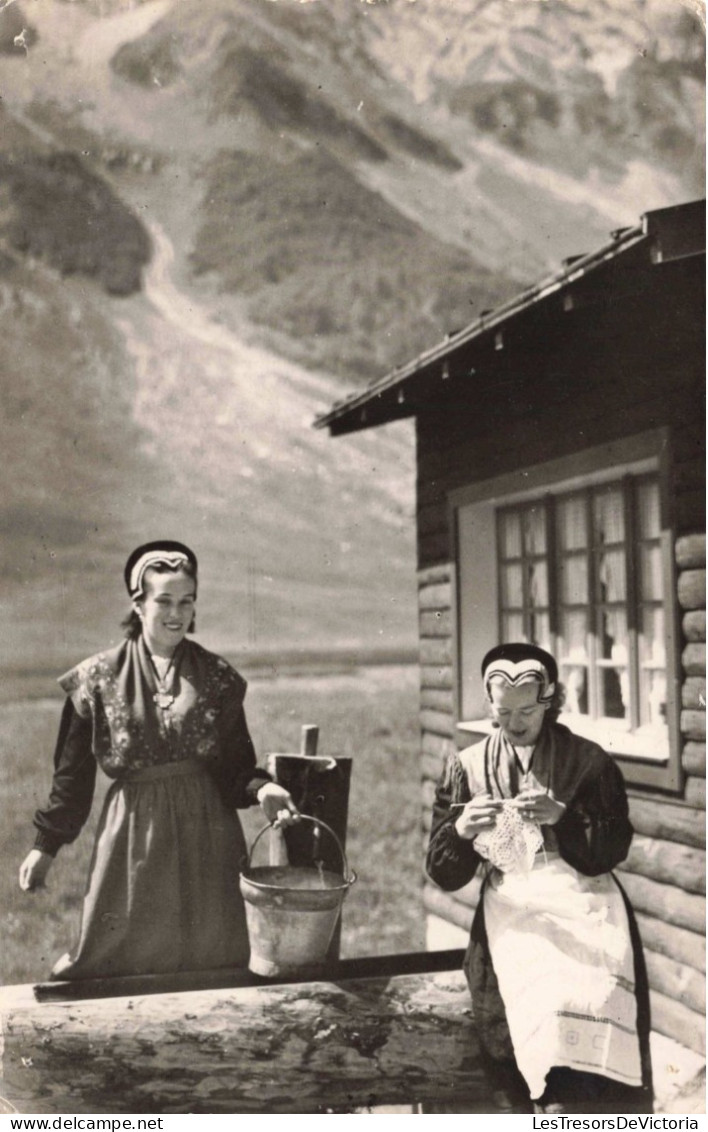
663 235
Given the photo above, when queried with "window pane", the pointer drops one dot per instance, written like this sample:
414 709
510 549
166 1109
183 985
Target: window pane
571 516
652 668
573 647
575 680
512 627
652 648
615 692
538 583
614 682
611 576
535 530
613 642
574 635
574 580
652 691
649 511
651 574
541 630
510 534
609 516
512 586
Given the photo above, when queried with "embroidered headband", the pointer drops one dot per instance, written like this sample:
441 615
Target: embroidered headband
516 664
171 554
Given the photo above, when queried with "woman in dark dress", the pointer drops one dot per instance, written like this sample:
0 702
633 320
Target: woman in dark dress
164 718
554 963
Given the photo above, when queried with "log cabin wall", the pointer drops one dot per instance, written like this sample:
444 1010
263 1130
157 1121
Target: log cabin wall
592 373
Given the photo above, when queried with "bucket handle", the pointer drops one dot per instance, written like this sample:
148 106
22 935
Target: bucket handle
349 877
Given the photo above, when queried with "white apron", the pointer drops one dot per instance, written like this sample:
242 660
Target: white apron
562 954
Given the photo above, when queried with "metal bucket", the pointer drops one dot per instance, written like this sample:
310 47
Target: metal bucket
292 911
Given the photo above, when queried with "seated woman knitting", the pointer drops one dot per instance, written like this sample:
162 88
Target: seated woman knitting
554 963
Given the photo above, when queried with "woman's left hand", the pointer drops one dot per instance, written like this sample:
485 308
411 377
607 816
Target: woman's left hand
539 806
277 805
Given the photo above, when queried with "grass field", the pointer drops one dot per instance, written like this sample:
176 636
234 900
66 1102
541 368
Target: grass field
369 714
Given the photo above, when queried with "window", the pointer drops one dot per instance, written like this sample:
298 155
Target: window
581 565
580 575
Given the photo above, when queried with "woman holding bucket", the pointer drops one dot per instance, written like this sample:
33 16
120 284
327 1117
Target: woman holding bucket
164 718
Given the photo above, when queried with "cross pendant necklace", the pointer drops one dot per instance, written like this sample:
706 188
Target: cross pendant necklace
164 697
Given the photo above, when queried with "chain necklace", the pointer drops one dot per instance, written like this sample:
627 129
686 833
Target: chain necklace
166 694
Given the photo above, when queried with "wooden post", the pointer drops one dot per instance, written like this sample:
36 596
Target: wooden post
320 788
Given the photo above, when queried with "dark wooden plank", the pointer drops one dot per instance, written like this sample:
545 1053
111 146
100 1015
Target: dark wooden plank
374 966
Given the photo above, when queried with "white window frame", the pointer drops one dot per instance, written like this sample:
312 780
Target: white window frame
473 518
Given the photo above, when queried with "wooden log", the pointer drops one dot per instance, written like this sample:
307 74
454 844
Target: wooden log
693 725
664 902
435 597
437 699
433 575
693 759
677 1021
661 819
427 793
431 767
693 659
293 1048
695 792
437 746
693 693
436 676
691 551
677 943
440 723
435 652
435 623
684 984
692 589
434 547
668 863
694 625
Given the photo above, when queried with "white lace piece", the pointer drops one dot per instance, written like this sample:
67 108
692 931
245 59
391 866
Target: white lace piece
512 844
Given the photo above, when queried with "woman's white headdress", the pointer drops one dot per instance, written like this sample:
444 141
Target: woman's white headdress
167 553
517 664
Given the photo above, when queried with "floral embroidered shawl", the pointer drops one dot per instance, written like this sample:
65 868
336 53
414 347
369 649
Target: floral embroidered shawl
115 690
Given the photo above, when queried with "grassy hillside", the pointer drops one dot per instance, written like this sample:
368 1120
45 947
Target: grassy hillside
60 211
117 430
339 271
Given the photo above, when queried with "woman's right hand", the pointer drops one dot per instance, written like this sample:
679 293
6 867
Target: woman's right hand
34 869
478 815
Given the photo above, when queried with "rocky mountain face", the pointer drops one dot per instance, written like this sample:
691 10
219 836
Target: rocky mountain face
218 215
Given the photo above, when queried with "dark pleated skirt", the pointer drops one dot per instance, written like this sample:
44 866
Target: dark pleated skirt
163 888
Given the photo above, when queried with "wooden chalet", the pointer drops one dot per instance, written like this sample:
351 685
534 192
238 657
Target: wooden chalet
560 499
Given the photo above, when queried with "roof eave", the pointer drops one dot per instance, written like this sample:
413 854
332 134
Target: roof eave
669 233
350 415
